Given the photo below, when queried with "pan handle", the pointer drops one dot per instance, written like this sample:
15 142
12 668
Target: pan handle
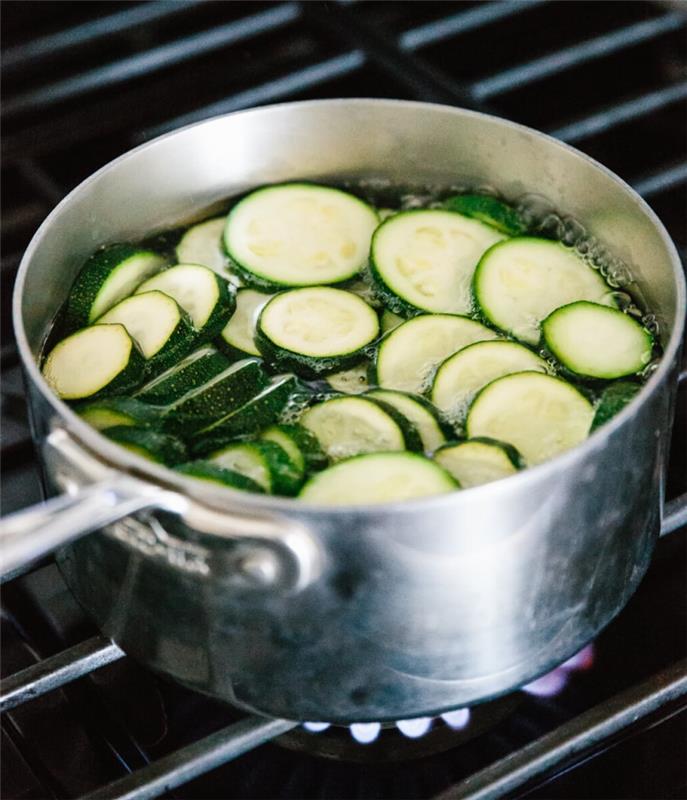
275 552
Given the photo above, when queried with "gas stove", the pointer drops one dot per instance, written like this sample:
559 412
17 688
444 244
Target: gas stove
84 82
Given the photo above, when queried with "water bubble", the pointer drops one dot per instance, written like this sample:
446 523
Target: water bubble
650 322
621 300
574 232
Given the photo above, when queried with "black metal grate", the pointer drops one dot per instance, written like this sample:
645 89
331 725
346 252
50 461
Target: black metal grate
84 82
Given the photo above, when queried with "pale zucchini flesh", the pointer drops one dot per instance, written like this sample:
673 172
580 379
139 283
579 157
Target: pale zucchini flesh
350 381
264 462
463 374
424 260
540 415
238 335
519 282
202 294
420 414
407 357
377 478
202 244
315 330
594 341
299 235
99 360
349 426
477 461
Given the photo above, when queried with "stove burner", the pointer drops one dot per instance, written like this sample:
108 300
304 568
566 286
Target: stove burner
423 736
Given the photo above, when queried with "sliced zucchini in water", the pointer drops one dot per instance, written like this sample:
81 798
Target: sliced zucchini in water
157 324
154 446
377 478
226 392
463 374
206 471
191 372
349 426
299 234
94 361
478 461
266 463
238 335
424 260
407 357
613 400
300 445
418 411
489 210
108 276
390 320
315 330
596 341
538 414
521 281
202 244
203 295
261 411
350 381
111 411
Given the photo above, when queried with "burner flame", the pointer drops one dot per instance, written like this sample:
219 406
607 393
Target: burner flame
547 686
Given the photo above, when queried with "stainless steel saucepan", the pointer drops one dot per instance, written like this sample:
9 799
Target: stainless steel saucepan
355 613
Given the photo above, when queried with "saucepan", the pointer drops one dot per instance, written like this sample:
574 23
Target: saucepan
349 613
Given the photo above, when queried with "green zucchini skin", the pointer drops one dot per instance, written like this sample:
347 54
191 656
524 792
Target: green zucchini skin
312 456
489 210
411 435
431 439
281 360
613 400
206 471
260 412
223 394
191 372
82 308
283 475
115 411
129 377
159 447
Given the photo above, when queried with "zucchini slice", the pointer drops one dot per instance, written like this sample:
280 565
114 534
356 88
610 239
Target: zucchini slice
157 324
300 445
424 260
350 381
521 281
315 330
94 361
613 400
377 478
261 411
238 335
299 234
159 447
420 413
538 414
489 210
108 276
595 341
264 462
111 411
478 461
203 295
206 471
407 357
462 375
202 244
221 395
349 426
191 372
